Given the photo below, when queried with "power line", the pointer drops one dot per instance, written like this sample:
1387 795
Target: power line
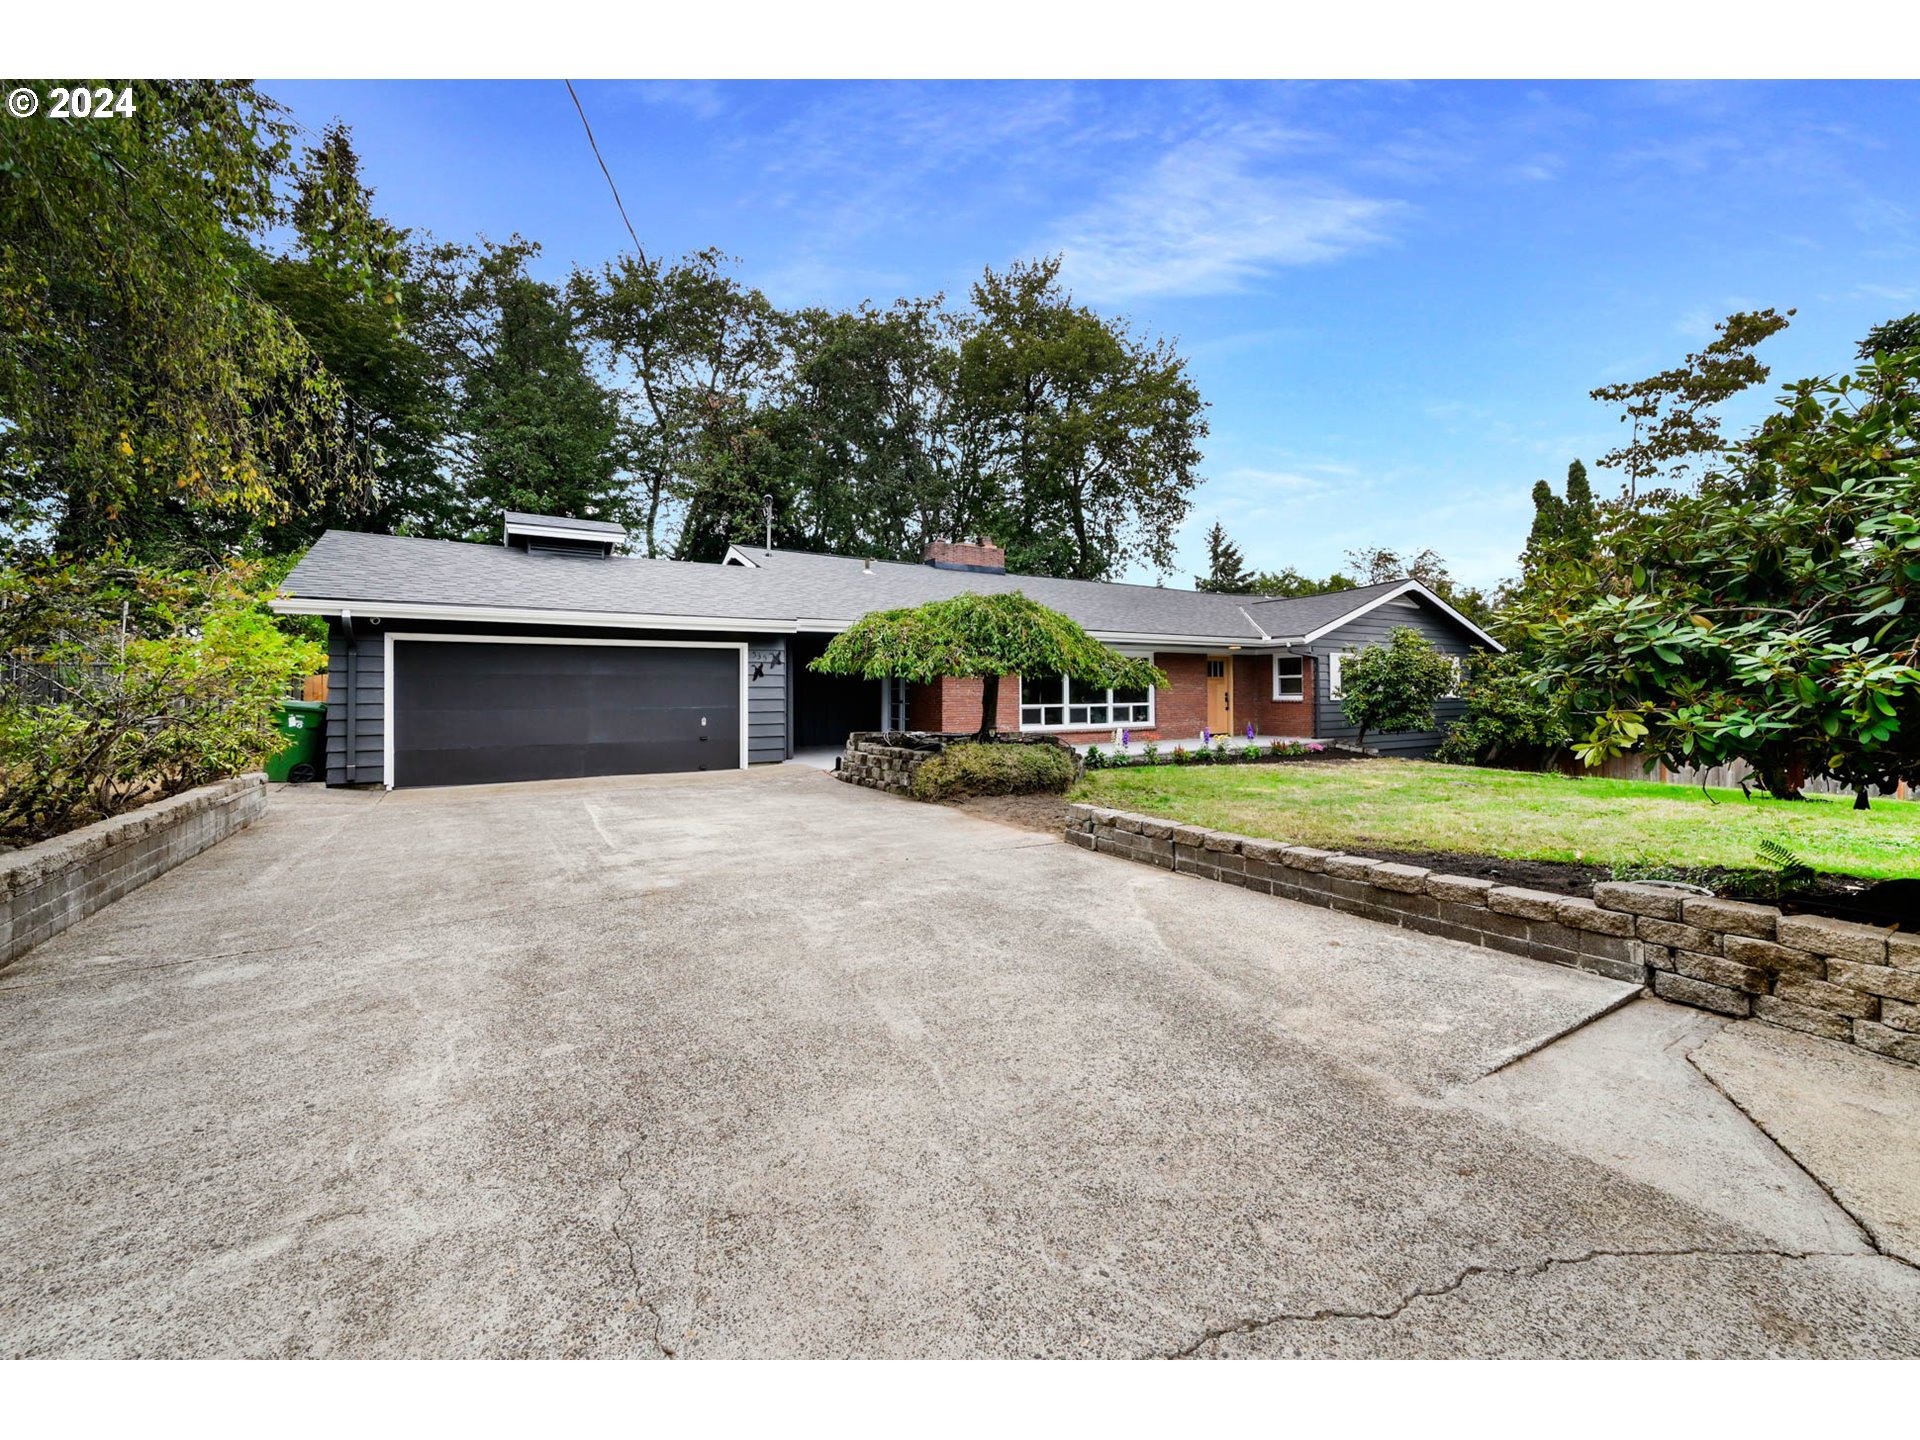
638 249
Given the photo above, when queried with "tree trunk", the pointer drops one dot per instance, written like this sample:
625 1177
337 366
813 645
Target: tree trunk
989 705
1860 798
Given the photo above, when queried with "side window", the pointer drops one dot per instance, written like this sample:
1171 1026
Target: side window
1334 687
1289 677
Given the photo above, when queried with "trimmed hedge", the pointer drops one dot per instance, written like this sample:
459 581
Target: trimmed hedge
989 769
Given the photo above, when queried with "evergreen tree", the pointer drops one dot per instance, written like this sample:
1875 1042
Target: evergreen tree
1227 572
1549 518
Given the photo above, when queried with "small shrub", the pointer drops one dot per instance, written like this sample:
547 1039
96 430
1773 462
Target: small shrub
1150 753
1508 721
1093 759
989 769
1251 752
1180 756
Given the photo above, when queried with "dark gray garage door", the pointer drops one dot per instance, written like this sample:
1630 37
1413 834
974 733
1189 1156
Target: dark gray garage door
471 713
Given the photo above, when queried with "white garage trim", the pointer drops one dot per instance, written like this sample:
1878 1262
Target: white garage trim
390 725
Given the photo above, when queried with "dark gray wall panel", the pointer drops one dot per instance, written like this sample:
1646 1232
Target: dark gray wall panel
1373 629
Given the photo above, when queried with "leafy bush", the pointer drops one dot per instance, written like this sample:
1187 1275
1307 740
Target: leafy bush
1509 722
989 769
1093 759
1150 753
130 684
1251 752
1392 687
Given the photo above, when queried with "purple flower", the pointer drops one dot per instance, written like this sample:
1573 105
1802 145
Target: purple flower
1249 729
1206 736
1123 739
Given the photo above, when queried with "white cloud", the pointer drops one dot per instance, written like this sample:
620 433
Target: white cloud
1212 216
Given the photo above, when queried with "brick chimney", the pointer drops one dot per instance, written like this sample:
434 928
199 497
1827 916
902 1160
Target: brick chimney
978 554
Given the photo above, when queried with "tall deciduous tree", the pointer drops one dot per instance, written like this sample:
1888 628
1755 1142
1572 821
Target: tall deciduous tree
1227 572
1086 438
692 350
533 429
140 373
1674 414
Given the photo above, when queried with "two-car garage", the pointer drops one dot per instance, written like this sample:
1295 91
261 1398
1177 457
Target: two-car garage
471 710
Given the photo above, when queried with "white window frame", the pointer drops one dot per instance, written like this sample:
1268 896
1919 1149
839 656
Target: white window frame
1459 681
1335 661
1302 697
1146 724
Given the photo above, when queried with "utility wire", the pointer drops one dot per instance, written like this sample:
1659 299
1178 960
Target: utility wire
638 249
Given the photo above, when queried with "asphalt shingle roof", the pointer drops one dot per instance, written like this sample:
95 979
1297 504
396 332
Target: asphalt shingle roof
782 588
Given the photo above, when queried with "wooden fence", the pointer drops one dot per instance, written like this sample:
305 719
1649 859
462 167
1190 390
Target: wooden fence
1728 777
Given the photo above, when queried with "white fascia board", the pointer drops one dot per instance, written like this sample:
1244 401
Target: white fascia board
1411 587
555 532
500 615
736 556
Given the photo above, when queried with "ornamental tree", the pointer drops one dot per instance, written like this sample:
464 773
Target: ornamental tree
980 637
1392 687
1773 614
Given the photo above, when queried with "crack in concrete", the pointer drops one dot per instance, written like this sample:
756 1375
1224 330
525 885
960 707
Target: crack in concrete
1528 1052
633 1265
1866 1230
1470 1272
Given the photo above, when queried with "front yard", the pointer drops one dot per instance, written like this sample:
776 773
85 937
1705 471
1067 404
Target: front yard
1416 806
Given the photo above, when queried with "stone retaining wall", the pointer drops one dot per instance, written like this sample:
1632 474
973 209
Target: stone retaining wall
1832 978
884 760
47 887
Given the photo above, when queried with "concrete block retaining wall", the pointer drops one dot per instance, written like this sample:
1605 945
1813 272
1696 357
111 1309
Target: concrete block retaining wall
883 761
47 887
1833 978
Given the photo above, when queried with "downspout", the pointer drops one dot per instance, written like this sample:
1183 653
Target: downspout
353 655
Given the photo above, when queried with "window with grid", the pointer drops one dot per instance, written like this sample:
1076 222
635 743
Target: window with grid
1050 702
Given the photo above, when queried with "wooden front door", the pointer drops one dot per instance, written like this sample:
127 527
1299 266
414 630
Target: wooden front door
1219 696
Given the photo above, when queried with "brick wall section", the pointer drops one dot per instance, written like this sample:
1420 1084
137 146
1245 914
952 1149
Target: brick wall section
1855 983
47 887
950 706
1253 699
979 554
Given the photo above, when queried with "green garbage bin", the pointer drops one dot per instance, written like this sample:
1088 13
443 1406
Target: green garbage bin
304 723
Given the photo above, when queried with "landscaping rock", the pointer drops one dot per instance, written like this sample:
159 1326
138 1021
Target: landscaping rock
1883 1040
1900 1015
1458 889
1819 995
1678 936
1585 915
1785 1013
1407 879
1305 857
1528 904
1353 867
1718 970
1730 917
1780 959
1648 900
1864 943
1702 995
1876 979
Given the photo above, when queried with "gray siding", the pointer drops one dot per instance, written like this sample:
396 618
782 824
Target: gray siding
767 699
360 710
1373 629
362 707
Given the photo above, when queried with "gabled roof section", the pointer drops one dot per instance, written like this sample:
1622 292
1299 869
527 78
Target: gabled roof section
1306 618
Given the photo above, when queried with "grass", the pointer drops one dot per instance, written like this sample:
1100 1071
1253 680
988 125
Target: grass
1418 805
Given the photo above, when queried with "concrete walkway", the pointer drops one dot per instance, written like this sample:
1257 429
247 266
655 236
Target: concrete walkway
761 1064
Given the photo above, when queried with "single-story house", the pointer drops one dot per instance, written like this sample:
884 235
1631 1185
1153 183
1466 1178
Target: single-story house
551 655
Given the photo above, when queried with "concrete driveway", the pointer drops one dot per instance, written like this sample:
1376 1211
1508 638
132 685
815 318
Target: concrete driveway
760 1064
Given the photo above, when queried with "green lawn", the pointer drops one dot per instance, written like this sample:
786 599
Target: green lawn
1415 805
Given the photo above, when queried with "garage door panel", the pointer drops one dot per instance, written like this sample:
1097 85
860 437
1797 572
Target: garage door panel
471 713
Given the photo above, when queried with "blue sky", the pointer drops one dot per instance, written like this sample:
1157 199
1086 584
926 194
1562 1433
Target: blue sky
1395 297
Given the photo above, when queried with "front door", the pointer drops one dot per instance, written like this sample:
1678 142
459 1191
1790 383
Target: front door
1220 696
